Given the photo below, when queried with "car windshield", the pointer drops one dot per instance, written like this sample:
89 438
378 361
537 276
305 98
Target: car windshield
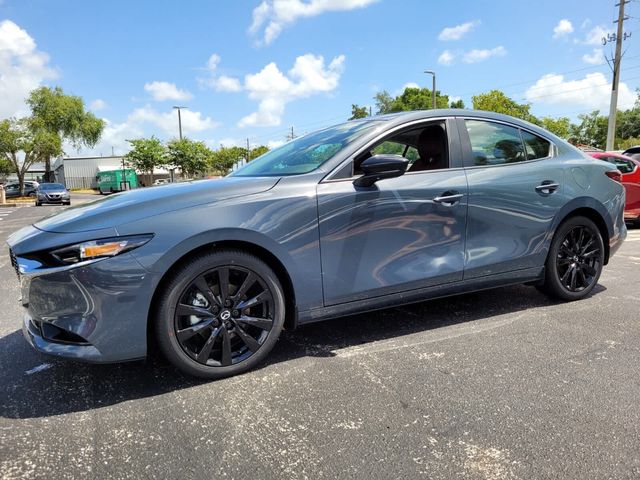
306 153
51 186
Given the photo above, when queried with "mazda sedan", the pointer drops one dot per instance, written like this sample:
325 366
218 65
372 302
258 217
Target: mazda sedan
361 216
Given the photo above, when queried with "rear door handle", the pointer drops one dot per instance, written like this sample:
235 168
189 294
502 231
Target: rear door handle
449 198
547 187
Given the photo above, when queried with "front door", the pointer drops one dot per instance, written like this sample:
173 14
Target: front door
403 233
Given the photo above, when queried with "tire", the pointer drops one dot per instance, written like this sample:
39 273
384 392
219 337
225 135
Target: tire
208 338
32 194
38 204
573 258
100 190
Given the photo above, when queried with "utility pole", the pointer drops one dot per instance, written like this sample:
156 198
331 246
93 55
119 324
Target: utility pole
370 110
179 119
613 107
292 135
433 92
248 151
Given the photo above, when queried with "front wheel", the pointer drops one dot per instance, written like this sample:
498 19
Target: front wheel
220 314
575 260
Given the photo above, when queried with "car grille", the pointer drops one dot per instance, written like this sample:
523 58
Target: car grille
54 196
14 262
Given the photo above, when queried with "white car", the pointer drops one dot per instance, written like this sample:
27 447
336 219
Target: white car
161 181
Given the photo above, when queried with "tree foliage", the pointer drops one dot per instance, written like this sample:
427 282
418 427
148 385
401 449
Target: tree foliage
190 156
65 116
457 104
409 99
22 145
223 159
358 112
146 154
592 130
6 167
497 101
558 126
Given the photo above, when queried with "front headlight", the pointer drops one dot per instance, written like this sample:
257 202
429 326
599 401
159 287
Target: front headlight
106 247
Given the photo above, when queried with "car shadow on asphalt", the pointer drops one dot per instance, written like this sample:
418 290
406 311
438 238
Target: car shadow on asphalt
36 385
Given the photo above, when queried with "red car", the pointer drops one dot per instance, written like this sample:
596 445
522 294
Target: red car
630 169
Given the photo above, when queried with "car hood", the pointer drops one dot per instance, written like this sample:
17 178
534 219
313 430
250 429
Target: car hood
130 206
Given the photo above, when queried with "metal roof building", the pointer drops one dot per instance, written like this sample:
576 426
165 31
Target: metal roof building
80 172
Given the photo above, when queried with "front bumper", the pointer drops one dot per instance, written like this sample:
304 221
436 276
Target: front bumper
95 312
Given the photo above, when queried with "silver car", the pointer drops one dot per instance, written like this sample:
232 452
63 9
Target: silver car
54 193
364 215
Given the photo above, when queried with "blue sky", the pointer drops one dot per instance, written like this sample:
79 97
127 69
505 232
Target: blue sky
255 68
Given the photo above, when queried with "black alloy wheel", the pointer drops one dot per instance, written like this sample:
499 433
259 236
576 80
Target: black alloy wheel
575 260
578 259
221 315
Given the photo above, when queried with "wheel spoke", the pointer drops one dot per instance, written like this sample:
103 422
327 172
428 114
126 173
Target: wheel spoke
246 285
202 285
592 253
582 279
184 310
565 276
258 299
226 348
223 279
589 270
248 340
262 323
203 355
187 333
574 273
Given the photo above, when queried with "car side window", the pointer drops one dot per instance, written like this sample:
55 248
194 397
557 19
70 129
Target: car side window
535 146
625 166
494 143
426 147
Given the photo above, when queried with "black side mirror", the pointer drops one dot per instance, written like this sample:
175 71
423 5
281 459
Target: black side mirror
380 167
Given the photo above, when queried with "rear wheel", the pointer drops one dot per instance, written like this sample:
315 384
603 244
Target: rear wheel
220 314
575 260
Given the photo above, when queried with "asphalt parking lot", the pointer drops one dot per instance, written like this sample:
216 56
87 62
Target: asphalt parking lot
502 384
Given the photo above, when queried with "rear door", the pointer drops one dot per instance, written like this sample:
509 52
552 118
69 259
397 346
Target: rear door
515 191
398 235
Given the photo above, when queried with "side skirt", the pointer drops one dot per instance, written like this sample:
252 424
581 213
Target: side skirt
422 294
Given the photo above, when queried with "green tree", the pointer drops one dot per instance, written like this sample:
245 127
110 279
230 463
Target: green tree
57 113
190 156
457 104
497 101
358 112
6 167
558 126
258 151
592 130
146 154
21 145
409 99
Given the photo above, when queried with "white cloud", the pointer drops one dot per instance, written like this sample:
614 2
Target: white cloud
457 32
475 56
562 29
143 122
161 91
594 36
273 89
220 83
446 58
22 68
591 92
275 143
410 85
594 58
275 15
98 104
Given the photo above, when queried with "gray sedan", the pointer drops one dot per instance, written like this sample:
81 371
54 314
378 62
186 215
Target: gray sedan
55 193
364 215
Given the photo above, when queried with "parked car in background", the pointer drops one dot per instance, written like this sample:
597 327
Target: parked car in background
630 169
12 189
55 193
161 181
111 181
364 215
633 152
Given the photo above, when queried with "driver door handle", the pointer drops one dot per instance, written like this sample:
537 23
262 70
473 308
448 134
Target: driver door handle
449 198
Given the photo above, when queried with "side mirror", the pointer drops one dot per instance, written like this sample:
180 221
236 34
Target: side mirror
380 167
